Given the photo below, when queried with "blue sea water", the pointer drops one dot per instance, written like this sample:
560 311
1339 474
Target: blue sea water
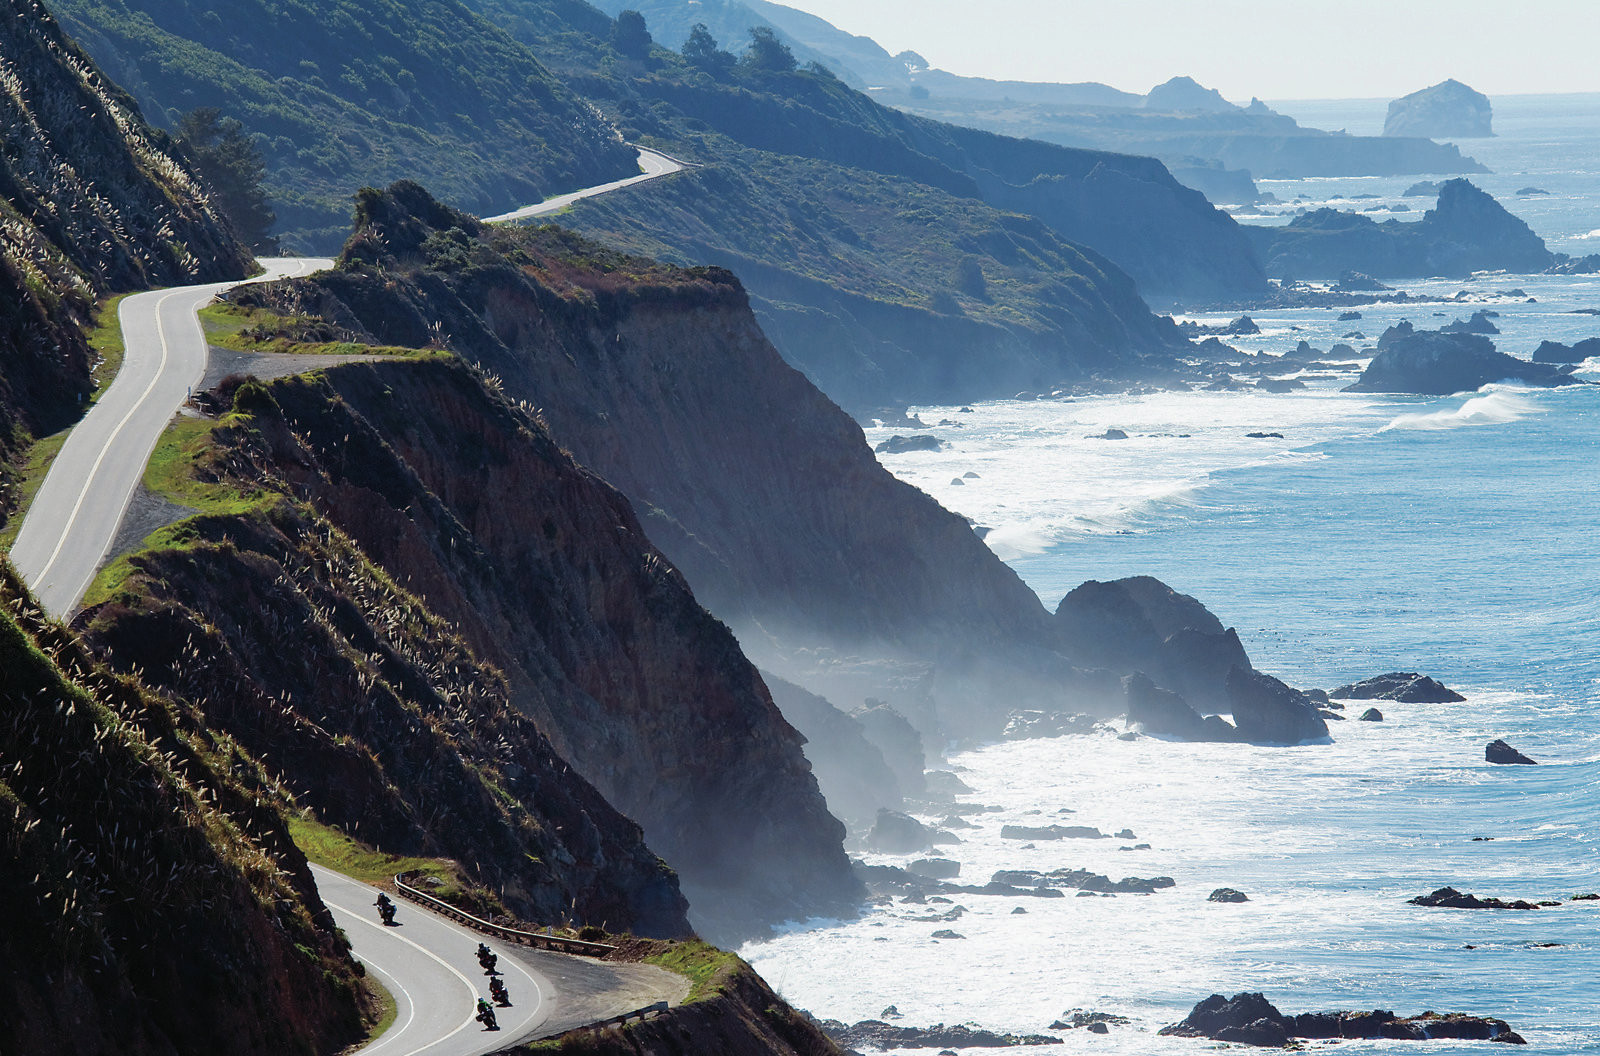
1454 536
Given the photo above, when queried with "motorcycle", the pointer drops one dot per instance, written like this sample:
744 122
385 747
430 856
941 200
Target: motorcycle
497 990
487 959
486 1015
385 910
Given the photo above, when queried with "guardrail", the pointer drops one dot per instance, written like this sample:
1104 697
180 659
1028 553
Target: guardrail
640 1014
557 943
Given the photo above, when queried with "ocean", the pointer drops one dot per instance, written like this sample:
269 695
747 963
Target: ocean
1452 536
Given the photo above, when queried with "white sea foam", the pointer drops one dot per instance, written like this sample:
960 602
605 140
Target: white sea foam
1493 408
1591 236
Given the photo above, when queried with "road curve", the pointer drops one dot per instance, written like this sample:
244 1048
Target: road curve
74 517
654 164
430 966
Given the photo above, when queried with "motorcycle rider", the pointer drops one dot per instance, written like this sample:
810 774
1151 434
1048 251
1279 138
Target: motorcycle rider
486 1015
497 990
487 958
385 908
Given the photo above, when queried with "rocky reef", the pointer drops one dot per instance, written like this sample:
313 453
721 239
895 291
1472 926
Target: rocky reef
1448 110
1250 1019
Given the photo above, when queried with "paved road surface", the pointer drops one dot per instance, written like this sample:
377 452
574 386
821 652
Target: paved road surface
74 517
655 165
430 965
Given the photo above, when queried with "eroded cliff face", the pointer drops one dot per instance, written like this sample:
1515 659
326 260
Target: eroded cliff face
751 481
89 204
430 534
154 902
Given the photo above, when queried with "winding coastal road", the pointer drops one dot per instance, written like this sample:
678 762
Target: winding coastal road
74 517
654 164
430 966
427 963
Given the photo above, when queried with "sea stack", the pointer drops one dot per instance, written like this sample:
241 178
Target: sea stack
1448 110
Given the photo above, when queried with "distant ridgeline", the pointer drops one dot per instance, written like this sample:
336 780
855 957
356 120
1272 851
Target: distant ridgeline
882 249
370 92
870 238
103 208
1188 127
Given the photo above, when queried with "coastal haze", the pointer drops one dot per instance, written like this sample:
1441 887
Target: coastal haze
1361 49
974 511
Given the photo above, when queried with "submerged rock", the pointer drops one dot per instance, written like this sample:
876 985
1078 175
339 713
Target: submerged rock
1500 752
1051 832
1408 687
1083 1018
876 1034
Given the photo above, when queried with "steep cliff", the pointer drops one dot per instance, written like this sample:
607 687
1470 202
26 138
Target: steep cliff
89 204
762 491
154 902
426 534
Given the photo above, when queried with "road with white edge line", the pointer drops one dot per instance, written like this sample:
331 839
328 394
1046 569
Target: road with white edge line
430 966
654 163
74 518
427 963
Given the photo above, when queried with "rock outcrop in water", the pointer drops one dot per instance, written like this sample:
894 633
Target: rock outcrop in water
1466 231
1183 666
1429 363
1408 687
876 1034
1450 898
1250 1019
1500 752
1448 110
1556 352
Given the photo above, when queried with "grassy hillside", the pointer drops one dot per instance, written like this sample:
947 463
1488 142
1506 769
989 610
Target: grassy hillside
90 204
370 92
146 873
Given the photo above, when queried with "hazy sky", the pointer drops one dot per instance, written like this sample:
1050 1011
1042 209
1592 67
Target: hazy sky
1276 49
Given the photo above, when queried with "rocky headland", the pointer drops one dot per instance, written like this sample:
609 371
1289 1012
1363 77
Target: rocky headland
1466 231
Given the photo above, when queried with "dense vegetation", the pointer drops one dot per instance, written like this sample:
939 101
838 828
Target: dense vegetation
124 820
90 204
371 91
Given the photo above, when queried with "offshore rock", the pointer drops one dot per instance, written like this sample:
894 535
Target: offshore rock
1501 752
1556 352
1450 898
1370 715
899 445
1448 110
1227 894
1429 363
1250 1019
1408 687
